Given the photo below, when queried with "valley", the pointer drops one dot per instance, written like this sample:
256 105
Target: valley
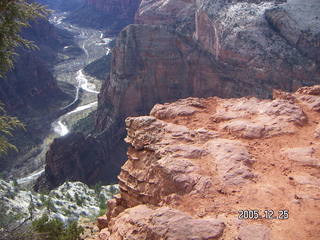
164 119
91 45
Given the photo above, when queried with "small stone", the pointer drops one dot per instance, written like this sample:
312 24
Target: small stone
254 232
102 222
104 234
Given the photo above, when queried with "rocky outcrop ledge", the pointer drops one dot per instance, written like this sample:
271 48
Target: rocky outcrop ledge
195 163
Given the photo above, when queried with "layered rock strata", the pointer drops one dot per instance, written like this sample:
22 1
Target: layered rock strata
229 55
194 164
204 48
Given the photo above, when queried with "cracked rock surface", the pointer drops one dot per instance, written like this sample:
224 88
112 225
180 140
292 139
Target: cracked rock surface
187 175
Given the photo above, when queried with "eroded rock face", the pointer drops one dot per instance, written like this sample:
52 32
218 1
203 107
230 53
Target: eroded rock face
207 48
57 171
187 176
229 49
163 223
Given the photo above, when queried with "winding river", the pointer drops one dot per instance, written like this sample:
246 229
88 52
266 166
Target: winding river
94 46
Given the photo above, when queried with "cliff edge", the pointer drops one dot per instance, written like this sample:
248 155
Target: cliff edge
185 48
195 164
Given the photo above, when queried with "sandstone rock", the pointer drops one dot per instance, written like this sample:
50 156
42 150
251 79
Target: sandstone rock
186 151
314 90
142 222
303 155
181 168
278 94
253 118
317 132
313 102
232 159
254 232
310 96
102 222
181 175
206 48
309 180
104 234
179 108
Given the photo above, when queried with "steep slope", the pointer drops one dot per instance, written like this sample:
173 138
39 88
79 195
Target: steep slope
30 91
203 48
31 78
195 164
108 15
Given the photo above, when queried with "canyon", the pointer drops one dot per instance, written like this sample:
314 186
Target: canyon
197 166
30 92
179 49
203 113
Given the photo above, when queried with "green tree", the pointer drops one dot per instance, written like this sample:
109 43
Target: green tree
15 15
7 125
55 229
102 205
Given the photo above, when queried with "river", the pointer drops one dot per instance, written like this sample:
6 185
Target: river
94 45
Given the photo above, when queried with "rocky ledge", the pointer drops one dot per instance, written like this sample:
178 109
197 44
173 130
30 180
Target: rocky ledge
194 164
185 48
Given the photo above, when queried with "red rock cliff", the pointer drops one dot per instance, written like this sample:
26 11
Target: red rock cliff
195 163
183 48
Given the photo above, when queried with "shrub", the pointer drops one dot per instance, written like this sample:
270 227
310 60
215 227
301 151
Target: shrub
97 188
102 205
49 205
79 200
55 229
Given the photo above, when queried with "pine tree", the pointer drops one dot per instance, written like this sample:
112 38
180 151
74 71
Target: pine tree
7 125
15 15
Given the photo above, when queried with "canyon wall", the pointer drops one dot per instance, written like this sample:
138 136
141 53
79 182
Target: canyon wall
30 85
108 15
204 48
29 91
194 166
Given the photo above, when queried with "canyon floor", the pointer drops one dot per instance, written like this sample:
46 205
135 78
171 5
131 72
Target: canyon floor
221 169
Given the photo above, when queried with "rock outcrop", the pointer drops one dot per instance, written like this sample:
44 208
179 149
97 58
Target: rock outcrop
153 64
206 48
72 167
189 176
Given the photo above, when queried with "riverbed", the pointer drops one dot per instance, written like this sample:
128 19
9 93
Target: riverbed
70 70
